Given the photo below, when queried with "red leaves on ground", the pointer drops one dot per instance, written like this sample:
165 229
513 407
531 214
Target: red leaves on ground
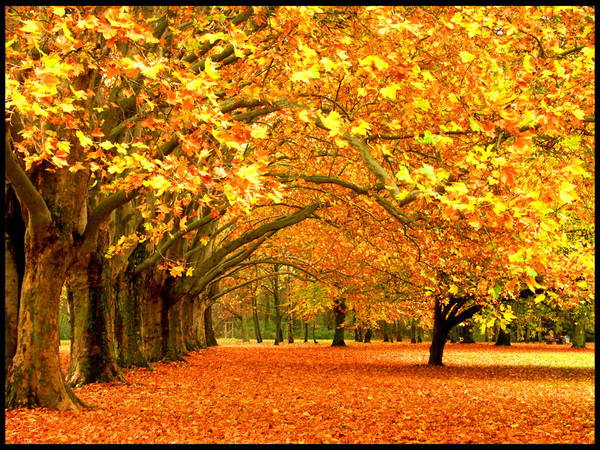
364 393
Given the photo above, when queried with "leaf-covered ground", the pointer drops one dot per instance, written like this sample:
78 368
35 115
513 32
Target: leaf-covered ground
313 393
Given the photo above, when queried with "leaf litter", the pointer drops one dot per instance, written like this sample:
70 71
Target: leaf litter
306 393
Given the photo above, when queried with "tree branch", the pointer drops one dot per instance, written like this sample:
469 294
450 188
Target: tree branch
39 214
101 213
164 247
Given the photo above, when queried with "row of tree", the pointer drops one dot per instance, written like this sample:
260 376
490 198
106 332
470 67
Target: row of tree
159 158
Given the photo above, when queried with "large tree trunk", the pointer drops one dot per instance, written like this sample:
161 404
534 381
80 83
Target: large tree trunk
503 337
152 321
340 316
446 316
11 302
440 335
173 341
92 324
14 266
190 323
35 378
131 291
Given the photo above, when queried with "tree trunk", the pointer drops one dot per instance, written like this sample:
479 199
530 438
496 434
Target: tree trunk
245 327
313 332
130 293
440 335
11 302
14 263
290 327
257 332
267 311
368 335
34 378
446 316
276 305
174 345
198 325
358 334
92 323
414 334
399 329
340 316
190 336
211 340
503 337
384 330
578 334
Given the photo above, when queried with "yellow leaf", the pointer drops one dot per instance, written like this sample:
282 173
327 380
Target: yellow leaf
328 64
259 132
466 56
390 91
453 289
527 63
361 128
66 31
427 76
303 115
31 26
332 121
59 10
567 192
83 139
457 188
39 111
301 76
210 68
64 146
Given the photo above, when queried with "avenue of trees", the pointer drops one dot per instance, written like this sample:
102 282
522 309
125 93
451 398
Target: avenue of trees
433 165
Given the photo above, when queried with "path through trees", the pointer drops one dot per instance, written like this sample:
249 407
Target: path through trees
378 393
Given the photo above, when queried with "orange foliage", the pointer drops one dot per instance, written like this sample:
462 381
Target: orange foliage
374 393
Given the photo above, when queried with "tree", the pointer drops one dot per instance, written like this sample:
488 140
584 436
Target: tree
339 309
222 126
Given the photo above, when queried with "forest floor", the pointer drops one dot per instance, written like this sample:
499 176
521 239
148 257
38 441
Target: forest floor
313 393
